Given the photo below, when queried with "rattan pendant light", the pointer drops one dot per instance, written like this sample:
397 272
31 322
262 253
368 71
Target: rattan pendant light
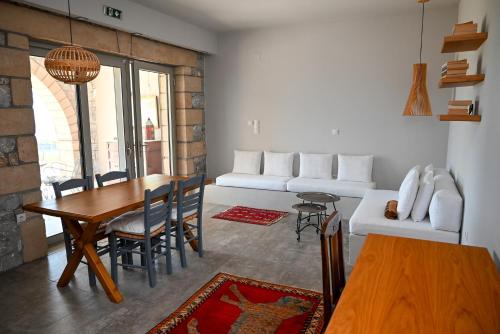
72 64
418 103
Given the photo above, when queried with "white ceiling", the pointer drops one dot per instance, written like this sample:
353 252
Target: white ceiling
225 15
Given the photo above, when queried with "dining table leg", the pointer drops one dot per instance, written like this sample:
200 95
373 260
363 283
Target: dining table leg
84 238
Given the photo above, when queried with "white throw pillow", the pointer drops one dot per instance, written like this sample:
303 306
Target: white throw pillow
407 194
278 164
316 166
424 196
445 211
247 162
356 168
429 168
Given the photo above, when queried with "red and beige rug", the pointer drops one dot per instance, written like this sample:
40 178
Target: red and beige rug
247 215
233 304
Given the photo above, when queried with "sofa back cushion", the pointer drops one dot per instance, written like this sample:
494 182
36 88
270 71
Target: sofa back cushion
445 210
424 196
316 166
357 168
408 193
247 162
278 164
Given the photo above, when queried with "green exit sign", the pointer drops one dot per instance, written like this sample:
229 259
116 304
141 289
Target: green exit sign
112 12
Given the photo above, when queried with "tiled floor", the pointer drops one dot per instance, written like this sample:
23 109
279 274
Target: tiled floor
30 301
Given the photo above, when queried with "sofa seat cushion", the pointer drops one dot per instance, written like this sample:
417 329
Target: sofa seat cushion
369 218
336 187
266 182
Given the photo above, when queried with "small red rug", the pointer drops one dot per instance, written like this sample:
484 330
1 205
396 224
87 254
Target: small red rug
243 214
233 304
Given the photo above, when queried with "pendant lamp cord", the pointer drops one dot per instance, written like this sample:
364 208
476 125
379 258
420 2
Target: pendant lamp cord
421 30
70 28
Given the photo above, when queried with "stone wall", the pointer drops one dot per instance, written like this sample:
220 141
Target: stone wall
19 170
190 104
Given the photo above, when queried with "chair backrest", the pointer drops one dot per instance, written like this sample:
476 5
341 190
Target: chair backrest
156 211
85 184
332 262
190 195
111 176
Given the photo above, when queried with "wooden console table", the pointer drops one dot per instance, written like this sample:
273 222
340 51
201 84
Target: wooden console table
402 285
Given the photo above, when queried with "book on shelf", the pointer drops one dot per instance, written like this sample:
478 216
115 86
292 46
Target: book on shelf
455 67
451 73
465 28
460 107
459 103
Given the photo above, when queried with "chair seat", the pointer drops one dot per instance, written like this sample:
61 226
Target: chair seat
132 223
184 214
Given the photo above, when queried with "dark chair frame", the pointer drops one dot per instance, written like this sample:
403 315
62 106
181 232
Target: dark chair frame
111 176
85 184
151 244
332 260
189 197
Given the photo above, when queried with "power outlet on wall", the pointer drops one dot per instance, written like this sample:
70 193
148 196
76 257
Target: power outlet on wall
466 236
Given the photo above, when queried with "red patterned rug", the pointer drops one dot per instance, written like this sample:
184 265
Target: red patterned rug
233 304
243 214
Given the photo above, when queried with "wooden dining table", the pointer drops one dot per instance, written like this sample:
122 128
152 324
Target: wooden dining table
401 285
93 207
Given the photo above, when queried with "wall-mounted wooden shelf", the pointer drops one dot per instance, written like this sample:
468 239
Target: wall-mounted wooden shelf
460 80
463 42
460 118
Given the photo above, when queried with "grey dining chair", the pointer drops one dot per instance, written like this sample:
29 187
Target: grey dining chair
72 185
189 207
147 230
112 176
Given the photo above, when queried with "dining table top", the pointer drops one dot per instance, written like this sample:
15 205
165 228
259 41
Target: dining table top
98 204
402 285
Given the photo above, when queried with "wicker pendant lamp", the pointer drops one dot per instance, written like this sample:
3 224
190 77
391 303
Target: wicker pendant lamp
72 64
418 103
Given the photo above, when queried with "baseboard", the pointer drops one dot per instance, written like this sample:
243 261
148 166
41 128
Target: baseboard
268 199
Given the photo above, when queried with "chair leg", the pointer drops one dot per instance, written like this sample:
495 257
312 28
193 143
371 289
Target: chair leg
67 244
143 257
123 244
149 263
113 252
200 238
92 279
180 243
168 253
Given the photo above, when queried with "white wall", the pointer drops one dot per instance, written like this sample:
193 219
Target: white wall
138 19
353 75
473 148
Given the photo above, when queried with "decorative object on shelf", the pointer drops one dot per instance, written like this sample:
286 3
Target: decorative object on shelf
72 64
418 103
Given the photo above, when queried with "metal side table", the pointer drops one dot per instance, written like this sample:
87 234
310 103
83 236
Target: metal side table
306 212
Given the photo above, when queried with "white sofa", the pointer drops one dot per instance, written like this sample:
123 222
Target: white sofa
369 218
279 192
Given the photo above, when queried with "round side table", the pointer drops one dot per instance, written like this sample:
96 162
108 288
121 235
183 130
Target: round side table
305 212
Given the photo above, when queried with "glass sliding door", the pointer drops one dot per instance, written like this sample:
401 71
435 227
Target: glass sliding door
153 118
57 133
106 100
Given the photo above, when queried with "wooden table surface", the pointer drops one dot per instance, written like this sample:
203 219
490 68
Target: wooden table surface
402 285
97 204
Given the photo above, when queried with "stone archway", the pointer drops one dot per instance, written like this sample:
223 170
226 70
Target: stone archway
65 97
